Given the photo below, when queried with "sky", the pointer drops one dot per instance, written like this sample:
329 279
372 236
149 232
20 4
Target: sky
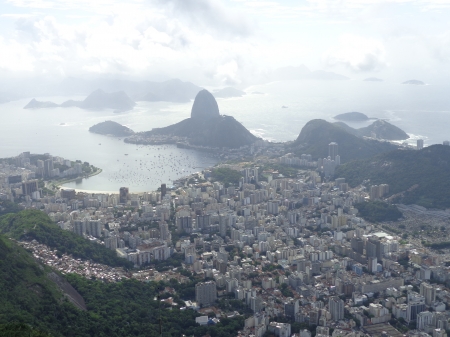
224 42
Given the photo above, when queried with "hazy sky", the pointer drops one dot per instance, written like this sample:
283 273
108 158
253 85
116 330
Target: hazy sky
224 41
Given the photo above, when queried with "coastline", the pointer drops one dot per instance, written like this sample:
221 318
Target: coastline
59 184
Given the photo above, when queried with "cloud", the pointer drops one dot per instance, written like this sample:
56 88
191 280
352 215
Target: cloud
440 47
356 53
170 38
15 56
209 15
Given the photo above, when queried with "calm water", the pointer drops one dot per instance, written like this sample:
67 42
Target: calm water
421 111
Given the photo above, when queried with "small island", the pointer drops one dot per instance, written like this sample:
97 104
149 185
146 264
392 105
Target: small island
352 117
112 129
414 82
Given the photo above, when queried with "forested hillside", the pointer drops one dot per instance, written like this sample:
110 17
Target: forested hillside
32 302
425 173
34 224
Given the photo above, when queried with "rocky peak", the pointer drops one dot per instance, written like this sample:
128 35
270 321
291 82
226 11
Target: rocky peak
205 106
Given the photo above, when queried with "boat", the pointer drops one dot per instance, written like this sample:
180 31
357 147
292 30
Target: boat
126 154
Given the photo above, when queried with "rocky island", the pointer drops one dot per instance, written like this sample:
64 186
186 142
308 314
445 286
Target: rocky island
414 82
205 128
352 117
111 128
97 100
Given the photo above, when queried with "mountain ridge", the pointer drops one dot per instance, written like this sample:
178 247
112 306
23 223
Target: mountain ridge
97 100
318 133
428 168
379 129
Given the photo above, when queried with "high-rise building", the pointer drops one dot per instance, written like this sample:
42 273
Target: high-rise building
291 308
184 224
374 192
419 144
372 264
336 308
205 293
357 245
28 187
123 195
446 143
203 221
163 190
429 292
333 150
68 194
223 221
48 167
373 247
164 231
413 309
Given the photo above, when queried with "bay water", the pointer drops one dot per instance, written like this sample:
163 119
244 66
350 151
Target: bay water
275 111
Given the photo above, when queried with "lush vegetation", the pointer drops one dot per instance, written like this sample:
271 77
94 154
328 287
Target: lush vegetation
34 224
378 211
20 330
317 134
7 206
226 176
28 296
438 245
286 170
130 308
419 177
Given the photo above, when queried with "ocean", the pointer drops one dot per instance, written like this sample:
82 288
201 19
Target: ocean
276 111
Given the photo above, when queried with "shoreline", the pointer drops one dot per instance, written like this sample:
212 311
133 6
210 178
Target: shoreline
60 183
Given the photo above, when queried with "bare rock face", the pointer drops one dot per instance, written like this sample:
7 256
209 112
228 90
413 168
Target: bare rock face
205 106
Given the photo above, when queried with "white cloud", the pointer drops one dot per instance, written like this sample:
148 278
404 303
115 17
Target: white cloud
14 56
357 53
155 38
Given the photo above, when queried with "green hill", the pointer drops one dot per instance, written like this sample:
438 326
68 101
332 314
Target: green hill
377 211
32 305
7 207
317 134
426 173
34 224
29 296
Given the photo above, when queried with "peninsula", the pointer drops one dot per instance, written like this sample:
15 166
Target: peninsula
97 100
205 128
